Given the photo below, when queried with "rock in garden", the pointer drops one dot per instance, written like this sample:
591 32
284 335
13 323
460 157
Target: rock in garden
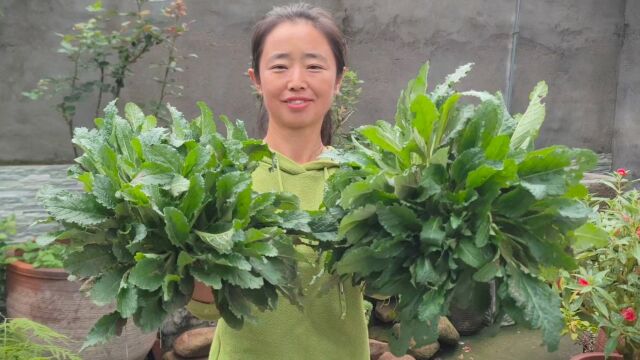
194 343
448 333
593 182
390 356
425 352
386 310
377 348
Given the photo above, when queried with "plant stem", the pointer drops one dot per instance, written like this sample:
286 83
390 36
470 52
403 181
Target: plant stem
100 91
170 59
120 77
65 115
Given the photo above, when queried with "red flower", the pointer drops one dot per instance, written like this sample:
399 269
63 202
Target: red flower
629 314
622 172
638 231
583 282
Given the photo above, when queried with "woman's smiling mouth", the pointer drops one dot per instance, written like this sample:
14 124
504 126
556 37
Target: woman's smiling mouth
297 103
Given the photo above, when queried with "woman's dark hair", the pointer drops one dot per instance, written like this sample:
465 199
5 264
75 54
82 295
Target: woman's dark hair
321 20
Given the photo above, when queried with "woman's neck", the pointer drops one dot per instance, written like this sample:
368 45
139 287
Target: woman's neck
299 145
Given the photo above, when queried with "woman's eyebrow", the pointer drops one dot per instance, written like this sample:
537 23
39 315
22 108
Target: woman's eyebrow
287 56
315 56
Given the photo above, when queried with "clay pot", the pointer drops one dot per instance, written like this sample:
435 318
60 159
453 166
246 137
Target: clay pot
595 356
47 297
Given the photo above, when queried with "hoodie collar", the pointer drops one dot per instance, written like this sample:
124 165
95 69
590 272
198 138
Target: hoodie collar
289 166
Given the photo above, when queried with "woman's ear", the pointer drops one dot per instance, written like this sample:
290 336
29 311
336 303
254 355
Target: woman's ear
254 80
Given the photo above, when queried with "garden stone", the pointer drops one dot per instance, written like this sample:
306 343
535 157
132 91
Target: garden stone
390 356
194 343
425 352
377 348
594 184
386 310
179 322
448 333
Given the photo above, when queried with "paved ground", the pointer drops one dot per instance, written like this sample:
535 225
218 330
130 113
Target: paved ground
511 343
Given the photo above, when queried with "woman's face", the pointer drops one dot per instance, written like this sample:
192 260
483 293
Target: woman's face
297 76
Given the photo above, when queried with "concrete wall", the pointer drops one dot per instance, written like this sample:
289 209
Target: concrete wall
626 139
575 45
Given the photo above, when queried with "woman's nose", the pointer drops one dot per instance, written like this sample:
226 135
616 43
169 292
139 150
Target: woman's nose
297 80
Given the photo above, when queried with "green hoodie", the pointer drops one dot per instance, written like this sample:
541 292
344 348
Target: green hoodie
327 328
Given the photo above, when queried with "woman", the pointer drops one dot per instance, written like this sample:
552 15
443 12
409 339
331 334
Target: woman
298 62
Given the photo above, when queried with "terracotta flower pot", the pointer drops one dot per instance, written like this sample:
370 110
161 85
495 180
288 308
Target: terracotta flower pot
596 356
46 296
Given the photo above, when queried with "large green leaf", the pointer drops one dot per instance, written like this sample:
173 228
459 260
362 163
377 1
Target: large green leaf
134 115
105 289
355 217
426 115
78 208
471 255
529 124
207 123
127 301
588 236
194 197
165 155
177 226
222 242
107 326
150 315
432 232
380 138
398 220
180 130
90 261
104 191
359 260
540 304
148 273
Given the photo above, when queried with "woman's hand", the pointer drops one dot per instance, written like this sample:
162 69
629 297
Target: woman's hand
202 293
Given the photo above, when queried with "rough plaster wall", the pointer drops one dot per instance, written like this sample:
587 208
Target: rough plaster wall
572 44
626 145
390 40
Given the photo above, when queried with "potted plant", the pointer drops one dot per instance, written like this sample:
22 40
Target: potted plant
451 195
603 292
38 289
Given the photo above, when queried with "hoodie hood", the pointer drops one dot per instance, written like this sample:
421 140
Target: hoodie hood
307 180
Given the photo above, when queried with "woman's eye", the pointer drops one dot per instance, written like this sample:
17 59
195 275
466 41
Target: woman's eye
315 67
278 67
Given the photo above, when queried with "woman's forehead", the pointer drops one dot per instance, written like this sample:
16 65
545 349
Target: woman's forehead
299 37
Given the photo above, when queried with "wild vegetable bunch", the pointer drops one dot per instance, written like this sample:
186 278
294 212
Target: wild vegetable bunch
450 196
162 207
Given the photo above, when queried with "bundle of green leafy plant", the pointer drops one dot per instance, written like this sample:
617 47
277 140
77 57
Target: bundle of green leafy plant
25 339
162 207
450 196
7 229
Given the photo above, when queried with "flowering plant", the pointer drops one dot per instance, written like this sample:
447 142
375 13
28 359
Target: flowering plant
603 290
